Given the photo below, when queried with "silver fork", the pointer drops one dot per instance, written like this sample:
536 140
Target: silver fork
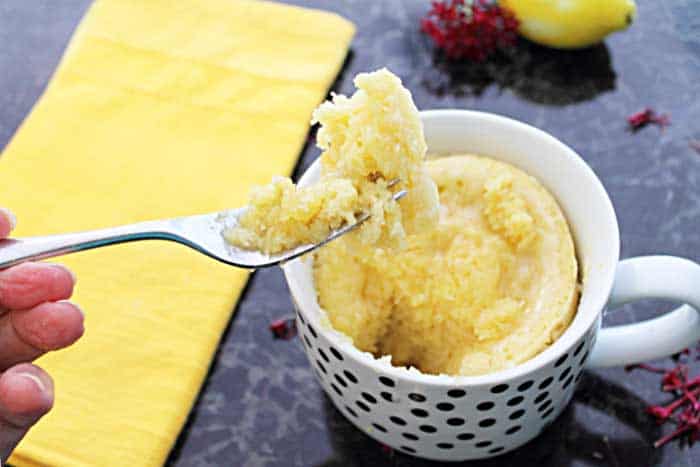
202 233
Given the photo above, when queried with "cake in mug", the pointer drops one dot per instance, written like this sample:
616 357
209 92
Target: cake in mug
491 286
473 272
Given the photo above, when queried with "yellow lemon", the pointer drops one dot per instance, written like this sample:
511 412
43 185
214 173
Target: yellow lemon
570 24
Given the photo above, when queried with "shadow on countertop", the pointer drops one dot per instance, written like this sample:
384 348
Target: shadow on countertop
561 444
535 73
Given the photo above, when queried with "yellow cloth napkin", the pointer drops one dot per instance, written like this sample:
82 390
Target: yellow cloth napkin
159 108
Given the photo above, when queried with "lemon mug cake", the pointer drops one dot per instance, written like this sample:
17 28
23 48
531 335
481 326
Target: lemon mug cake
473 272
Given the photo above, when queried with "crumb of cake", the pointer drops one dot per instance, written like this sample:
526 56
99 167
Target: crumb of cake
281 215
506 212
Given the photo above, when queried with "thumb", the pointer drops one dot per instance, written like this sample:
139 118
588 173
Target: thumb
26 394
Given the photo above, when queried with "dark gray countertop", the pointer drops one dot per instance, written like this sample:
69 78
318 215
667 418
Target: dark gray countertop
261 404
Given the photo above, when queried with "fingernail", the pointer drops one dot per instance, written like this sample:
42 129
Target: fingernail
10 216
64 268
35 379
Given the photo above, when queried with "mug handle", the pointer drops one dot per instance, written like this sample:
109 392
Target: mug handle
651 277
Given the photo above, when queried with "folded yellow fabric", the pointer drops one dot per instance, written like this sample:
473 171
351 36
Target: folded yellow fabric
158 109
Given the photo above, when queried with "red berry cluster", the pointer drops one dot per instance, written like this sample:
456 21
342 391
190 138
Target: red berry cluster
472 30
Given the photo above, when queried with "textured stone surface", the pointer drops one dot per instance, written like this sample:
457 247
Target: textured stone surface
261 405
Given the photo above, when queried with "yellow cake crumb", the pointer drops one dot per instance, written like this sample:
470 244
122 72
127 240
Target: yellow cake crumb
368 140
507 213
306 214
492 285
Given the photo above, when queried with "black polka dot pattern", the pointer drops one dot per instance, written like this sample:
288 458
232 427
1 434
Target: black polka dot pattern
513 429
484 406
323 355
445 406
567 382
362 405
336 354
387 381
444 422
340 380
545 383
564 374
515 401
350 377
427 428
583 359
369 398
379 427
398 420
525 386
561 361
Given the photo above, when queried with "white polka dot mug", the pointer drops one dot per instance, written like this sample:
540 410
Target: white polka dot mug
458 418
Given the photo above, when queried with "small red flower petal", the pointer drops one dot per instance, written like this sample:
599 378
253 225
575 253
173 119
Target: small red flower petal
684 410
648 116
283 328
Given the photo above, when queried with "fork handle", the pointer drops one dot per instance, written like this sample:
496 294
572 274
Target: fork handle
20 250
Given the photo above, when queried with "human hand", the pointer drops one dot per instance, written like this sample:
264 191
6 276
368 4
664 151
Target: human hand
34 319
